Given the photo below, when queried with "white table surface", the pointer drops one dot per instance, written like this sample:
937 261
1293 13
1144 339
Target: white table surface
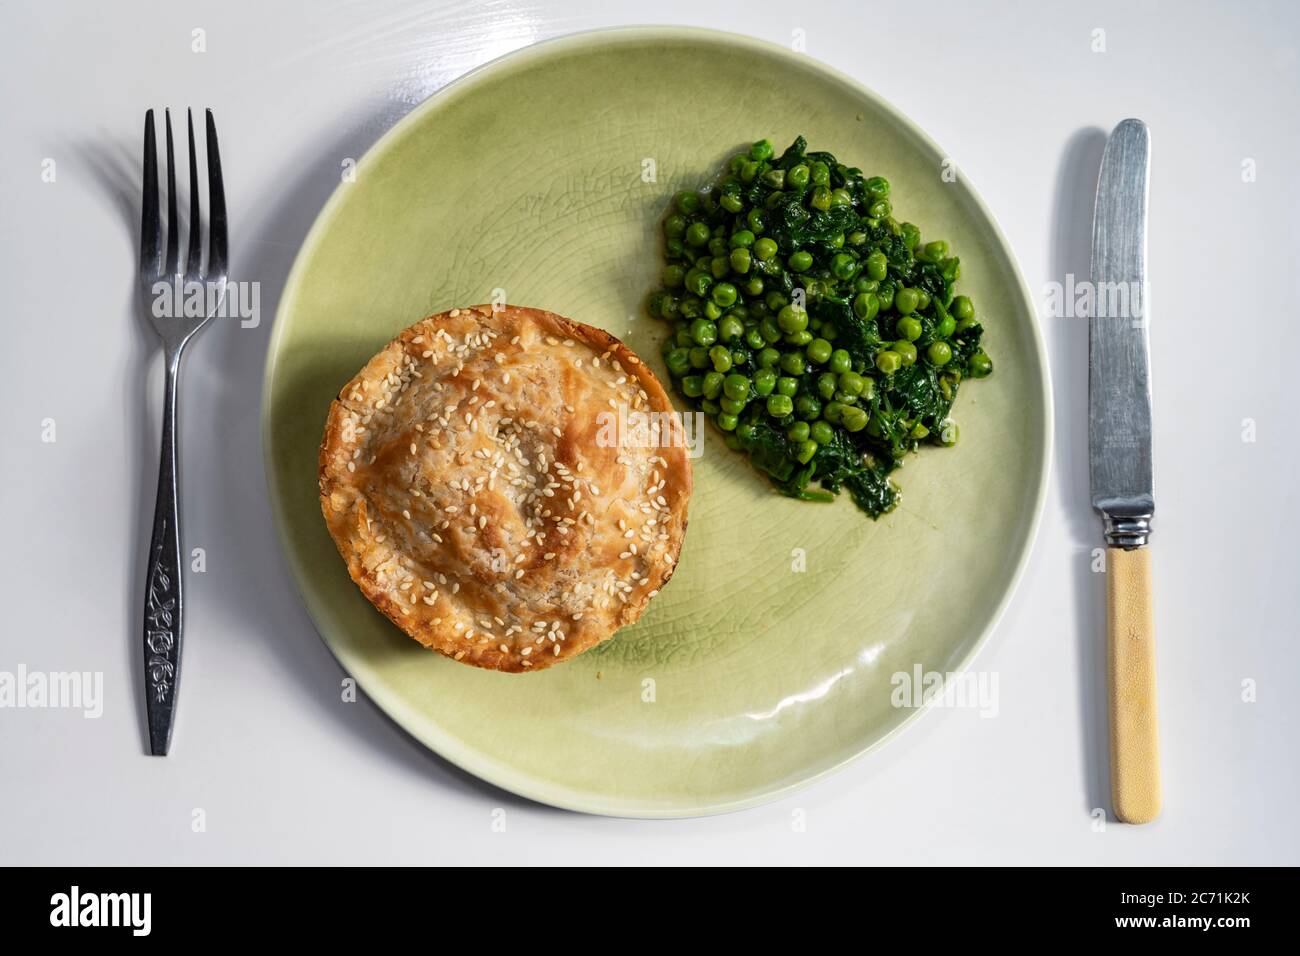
283 770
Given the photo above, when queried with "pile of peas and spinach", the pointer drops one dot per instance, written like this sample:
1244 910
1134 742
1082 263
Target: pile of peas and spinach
817 331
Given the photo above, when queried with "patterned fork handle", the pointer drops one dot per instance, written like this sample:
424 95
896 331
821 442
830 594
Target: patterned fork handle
163 599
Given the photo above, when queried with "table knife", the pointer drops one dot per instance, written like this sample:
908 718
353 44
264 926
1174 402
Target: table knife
1119 457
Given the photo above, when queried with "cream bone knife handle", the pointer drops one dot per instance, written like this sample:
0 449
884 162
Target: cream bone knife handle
1131 668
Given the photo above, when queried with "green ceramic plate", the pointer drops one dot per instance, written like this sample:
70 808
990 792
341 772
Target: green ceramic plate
766 663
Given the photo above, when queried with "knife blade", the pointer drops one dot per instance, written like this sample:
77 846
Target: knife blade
1119 459
1119 383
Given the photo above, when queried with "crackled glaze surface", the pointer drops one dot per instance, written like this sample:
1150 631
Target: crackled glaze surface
768 660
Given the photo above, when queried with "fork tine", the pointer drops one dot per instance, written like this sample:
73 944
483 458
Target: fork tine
173 224
194 258
216 205
150 227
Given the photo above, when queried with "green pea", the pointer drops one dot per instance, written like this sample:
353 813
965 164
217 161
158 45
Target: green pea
704 332
712 310
712 385
856 238
700 357
919 431
909 328
726 421
905 351
791 319
730 328
911 234
877 265
709 407
888 362
779 406
843 266
770 330
821 199
774 178
768 358
697 282
939 353
673 276
739 357
764 381
946 327
963 308
687 202
880 209
719 266
732 406
818 351
674 247
851 383
922 300
740 261
822 432
905 301
697 234
792 363
805 451
796 177
826 384
840 361
736 386
934 251
877 187
675 226
854 418
800 261
798 339
678 361
807 407
754 286
754 338
761 150
866 305
742 239
787 385
756 221
692 386
834 411
720 355
841 197
980 365
718 247
798 432
820 174
724 294
764 249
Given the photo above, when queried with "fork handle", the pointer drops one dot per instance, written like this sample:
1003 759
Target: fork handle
162 600
1134 754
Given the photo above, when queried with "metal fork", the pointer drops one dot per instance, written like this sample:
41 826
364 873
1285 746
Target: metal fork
163 287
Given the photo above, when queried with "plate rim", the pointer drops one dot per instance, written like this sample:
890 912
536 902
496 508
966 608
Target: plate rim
448 746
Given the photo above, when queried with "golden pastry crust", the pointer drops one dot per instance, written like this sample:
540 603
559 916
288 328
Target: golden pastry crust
508 487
